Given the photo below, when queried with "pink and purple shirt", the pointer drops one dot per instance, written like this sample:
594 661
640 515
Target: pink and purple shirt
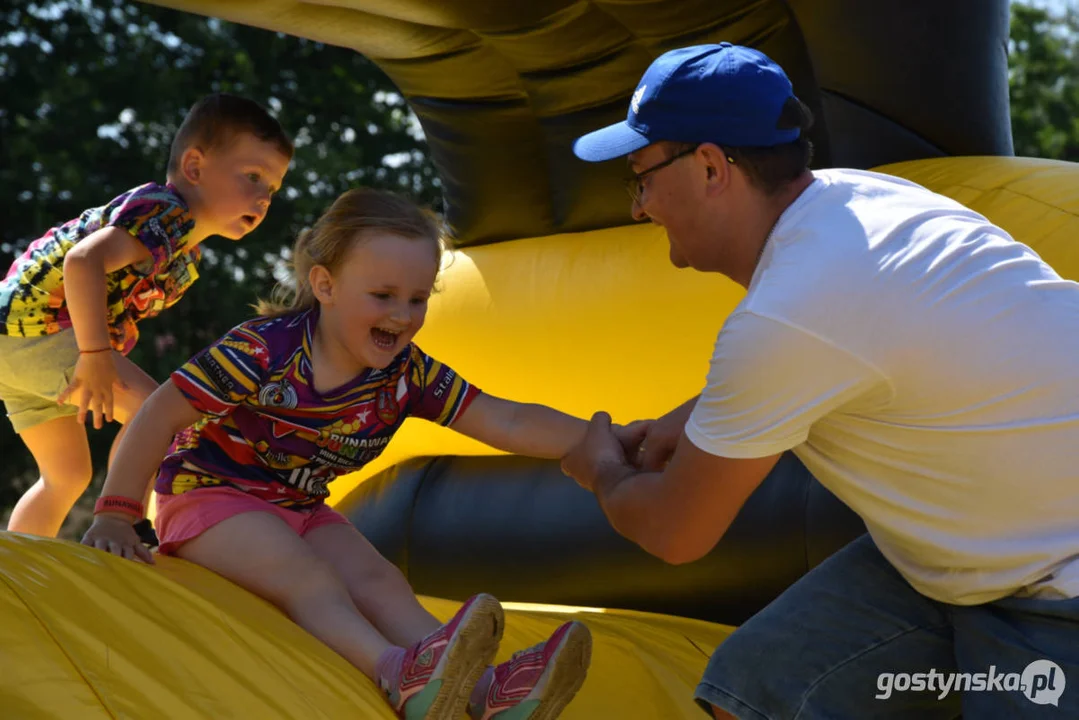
267 430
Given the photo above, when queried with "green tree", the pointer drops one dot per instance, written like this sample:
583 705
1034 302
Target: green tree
1043 61
91 95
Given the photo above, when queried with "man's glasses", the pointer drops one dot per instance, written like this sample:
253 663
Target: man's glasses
635 183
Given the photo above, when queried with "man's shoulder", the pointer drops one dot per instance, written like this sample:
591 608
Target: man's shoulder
880 193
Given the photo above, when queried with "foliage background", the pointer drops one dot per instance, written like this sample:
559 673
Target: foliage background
91 93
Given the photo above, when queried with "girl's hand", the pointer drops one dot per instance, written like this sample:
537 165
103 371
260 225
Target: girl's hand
114 534
94 378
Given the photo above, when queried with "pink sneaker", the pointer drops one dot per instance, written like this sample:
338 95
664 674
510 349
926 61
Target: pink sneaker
538 683
439 672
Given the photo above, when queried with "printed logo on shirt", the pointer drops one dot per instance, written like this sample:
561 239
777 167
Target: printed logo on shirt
272 458
309 481
278 394
348 452
386 406
216 374
445 383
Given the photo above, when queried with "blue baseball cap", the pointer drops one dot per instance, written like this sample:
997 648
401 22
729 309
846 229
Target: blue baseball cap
725 94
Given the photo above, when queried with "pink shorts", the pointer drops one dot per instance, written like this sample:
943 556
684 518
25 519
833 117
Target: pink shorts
184 517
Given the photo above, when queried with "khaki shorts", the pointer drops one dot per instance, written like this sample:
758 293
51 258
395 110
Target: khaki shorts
33 373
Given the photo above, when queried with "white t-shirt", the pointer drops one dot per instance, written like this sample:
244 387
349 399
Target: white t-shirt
925 368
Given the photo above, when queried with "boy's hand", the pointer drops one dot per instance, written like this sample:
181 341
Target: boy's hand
94 378
114 534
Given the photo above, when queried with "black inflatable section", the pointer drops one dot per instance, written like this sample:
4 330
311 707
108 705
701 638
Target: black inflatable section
521 530
503 88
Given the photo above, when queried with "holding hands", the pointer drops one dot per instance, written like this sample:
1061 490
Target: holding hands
640 446
604 447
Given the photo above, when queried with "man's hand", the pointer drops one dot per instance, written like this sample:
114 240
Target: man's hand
662 438
603 448
631 437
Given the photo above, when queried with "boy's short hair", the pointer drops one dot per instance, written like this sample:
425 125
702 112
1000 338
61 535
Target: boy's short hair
216 119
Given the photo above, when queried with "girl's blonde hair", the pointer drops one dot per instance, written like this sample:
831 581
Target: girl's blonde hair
345 222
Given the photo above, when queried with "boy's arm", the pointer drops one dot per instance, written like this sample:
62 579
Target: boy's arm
85 267
520 428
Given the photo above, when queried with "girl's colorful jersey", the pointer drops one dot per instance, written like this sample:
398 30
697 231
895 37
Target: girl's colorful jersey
32 298
268 431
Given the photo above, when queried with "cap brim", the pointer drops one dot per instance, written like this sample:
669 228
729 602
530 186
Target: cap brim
609 143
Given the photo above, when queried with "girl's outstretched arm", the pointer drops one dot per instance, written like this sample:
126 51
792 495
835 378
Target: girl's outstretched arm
521 428
165 413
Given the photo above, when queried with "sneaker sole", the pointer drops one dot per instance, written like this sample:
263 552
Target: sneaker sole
567 677
478 638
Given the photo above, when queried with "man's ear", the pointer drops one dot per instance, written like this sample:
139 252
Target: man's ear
321 284
191 165
717 167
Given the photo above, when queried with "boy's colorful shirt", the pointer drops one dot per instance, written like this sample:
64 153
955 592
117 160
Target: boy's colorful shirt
32 299
268 431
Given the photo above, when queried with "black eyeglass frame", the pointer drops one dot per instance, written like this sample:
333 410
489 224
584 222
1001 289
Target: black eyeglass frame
635 183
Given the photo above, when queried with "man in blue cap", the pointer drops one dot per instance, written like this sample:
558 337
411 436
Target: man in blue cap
885 338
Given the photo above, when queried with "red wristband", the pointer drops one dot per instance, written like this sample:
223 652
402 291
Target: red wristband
119 504
92 352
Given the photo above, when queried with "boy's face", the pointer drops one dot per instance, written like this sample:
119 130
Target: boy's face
235 184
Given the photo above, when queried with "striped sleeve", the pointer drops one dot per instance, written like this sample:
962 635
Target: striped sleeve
437 392
220 377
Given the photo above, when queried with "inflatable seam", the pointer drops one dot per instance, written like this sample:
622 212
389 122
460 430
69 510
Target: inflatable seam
982 192
884 116
699 649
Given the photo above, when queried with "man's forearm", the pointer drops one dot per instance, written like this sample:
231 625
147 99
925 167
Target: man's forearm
633 504
683 411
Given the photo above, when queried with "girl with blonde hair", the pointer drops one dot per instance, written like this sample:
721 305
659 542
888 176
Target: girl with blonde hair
268 415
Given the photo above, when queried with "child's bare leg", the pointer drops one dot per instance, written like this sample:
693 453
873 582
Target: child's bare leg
261 553
379 590
546 678
62 454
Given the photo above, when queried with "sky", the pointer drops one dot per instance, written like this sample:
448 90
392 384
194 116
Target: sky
1054 5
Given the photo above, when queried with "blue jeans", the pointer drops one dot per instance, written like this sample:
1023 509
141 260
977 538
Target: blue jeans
853 640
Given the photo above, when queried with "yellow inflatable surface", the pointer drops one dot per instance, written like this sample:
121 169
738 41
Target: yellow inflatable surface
602 321
85 635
